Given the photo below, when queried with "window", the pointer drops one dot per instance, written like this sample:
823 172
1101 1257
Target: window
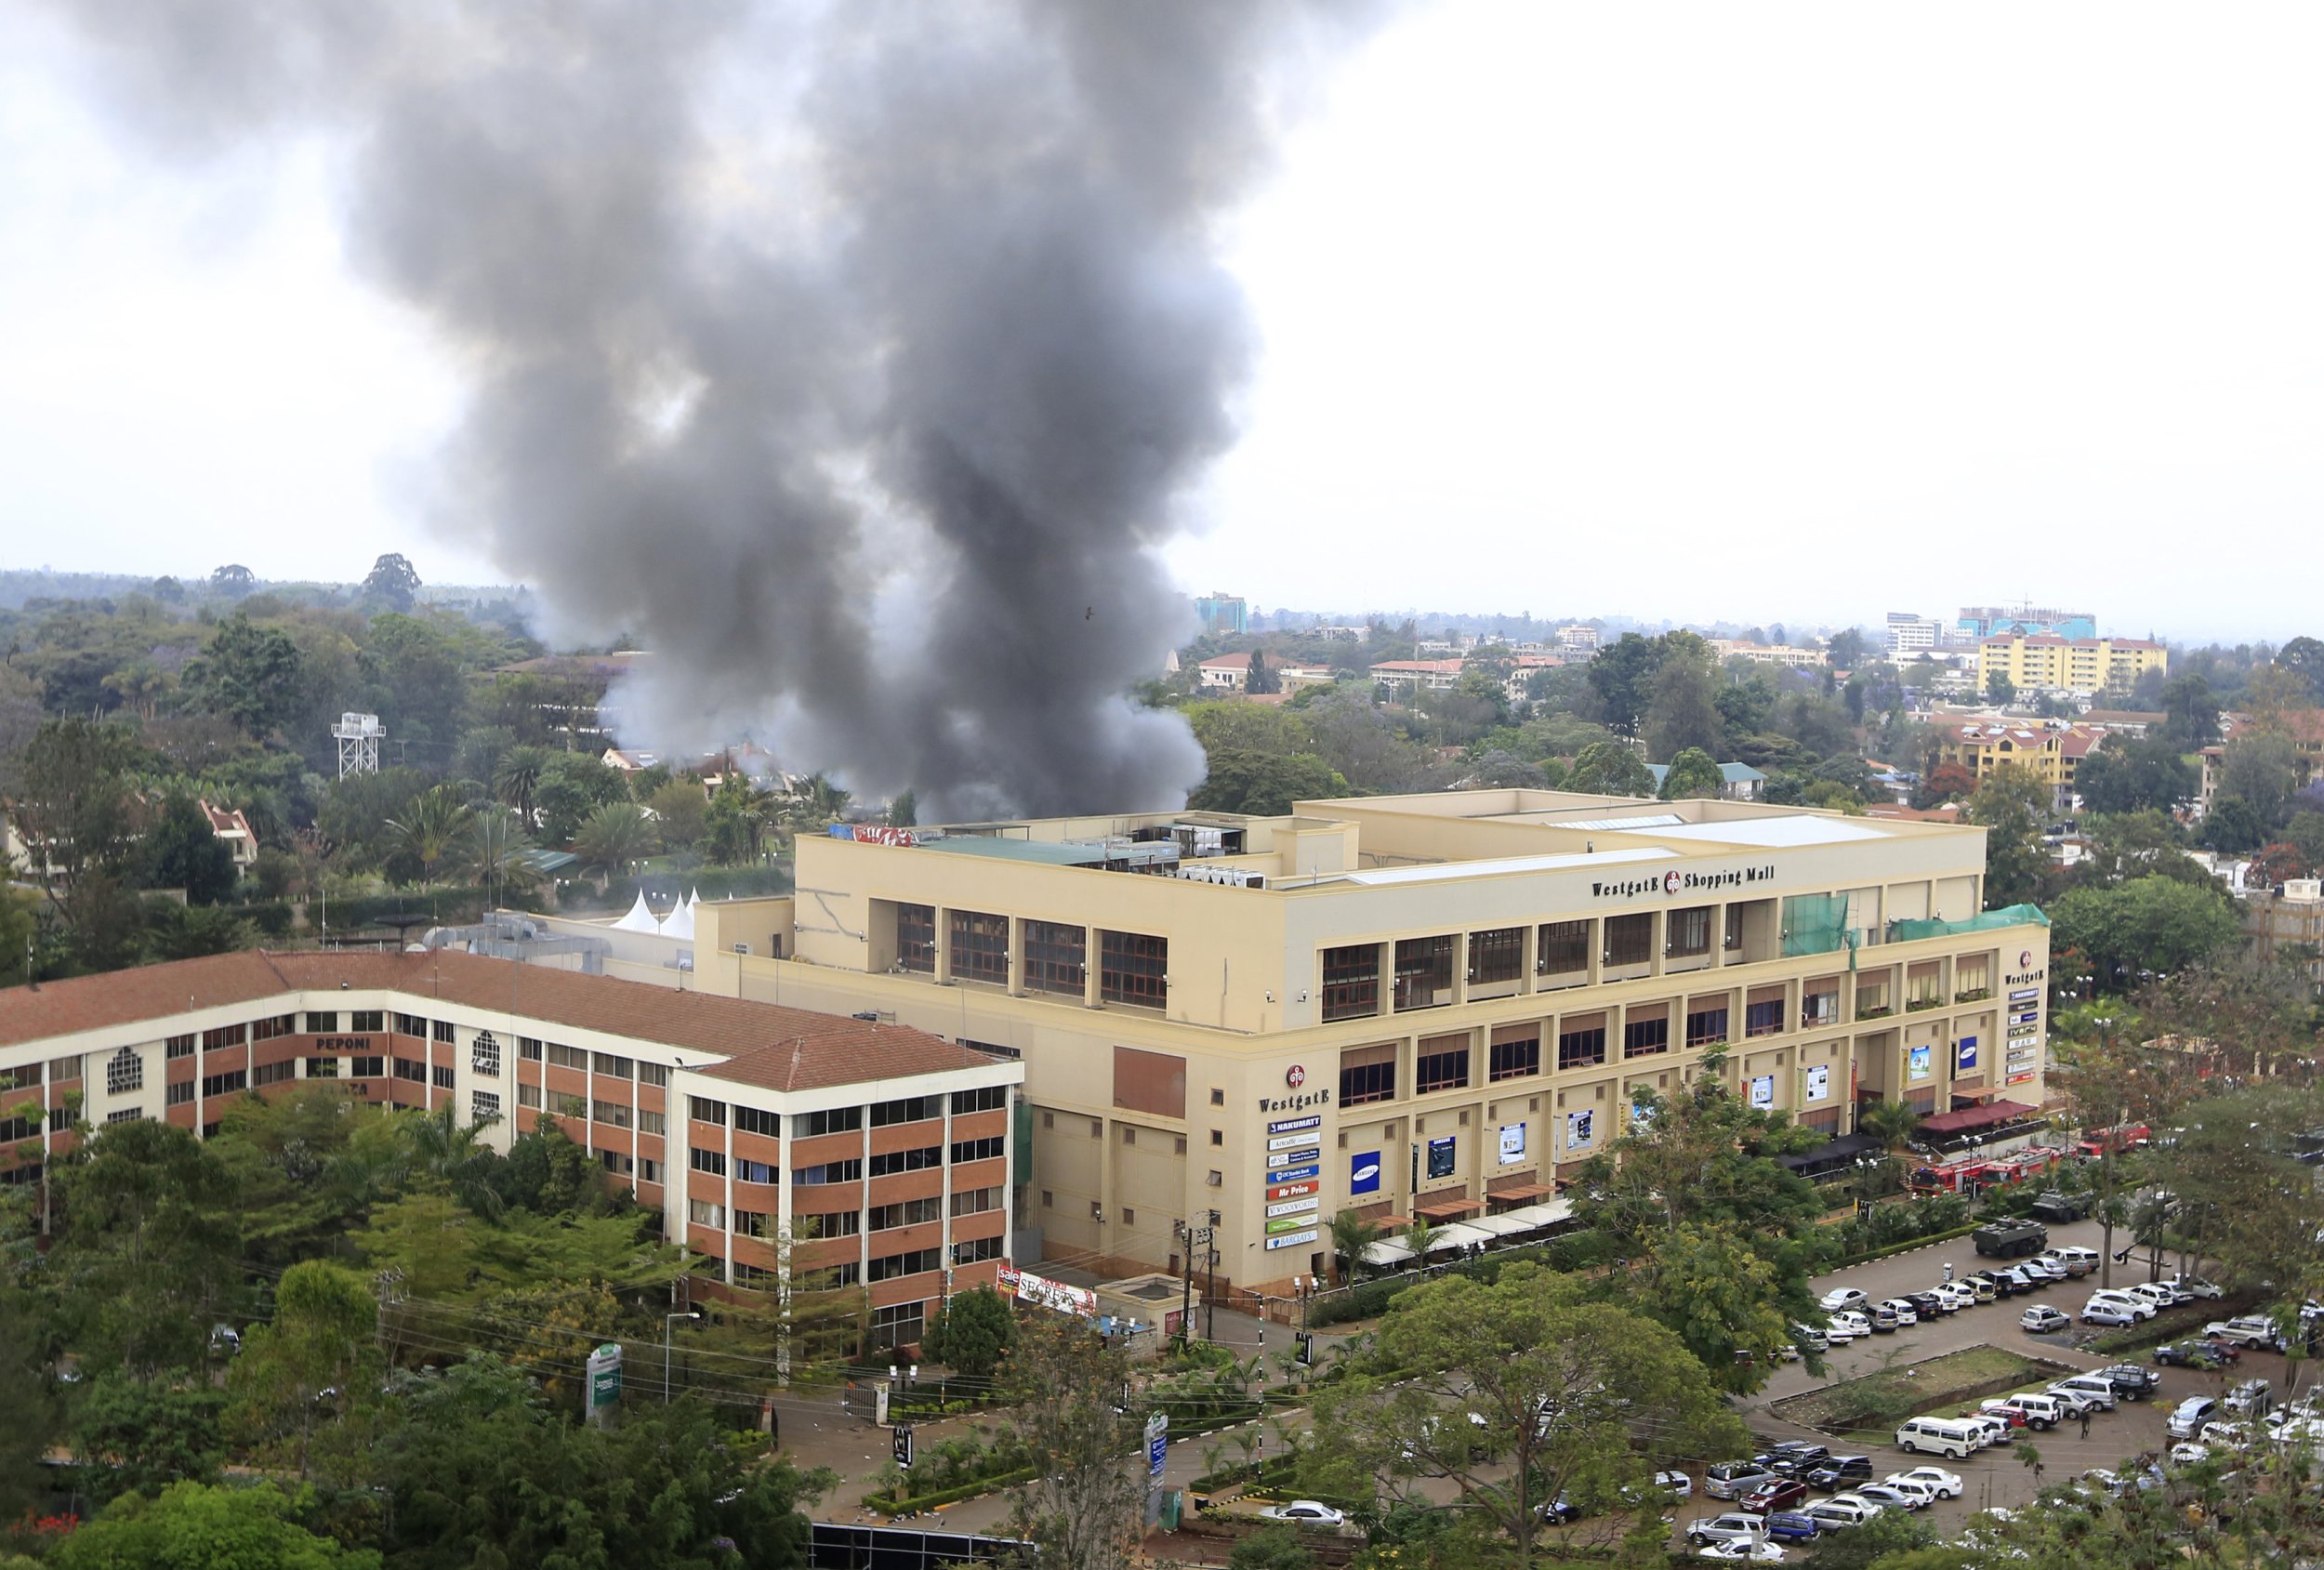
1629 939
483 1055
562 1056
651 1122
1424 971
180 1046
912 1109
411 1025
1581 1046
1217 1097
367 1068
444 1031
710 1161
649 1170
975 1250
440 1075
1819 1009
126 1115
906 1213
1133 968
832 1276
977 1150
1496 956
275 1073
279 1025
177 1095
224 1035
1352 982
915 1263
1706 1025
1367 1073
845 1171
753 1224
1762 1019
975 1201
980 948
899 1326
614 1162
833 1120
25 1076
1690 932
915 1160
485 1106
322 1068
916 938
753 1275
125 1072
61 1069
833 1223
1516 1058
749 1171
1644 1038
610 1067
612 1113
1056 958
701 1213
569 1104
406 1068
984 1098
705 1110
1218 1136
1564 946
372 1020
1441 1064
1129 1134
529 1049
529 1096
654 1074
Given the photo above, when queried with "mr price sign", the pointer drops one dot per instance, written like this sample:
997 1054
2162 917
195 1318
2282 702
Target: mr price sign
1293 1191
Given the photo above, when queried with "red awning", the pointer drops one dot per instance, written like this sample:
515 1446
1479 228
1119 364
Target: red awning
1519 1192
1976 1117
1444 1210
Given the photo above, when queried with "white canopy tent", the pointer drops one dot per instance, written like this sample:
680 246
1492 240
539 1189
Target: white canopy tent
1387 1251
1527 1217
1457 1235
1503 1226
680 922
640 919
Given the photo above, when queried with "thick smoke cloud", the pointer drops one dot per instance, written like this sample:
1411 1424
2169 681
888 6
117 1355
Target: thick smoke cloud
856 360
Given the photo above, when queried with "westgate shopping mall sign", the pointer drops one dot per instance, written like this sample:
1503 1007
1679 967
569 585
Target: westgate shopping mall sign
1676 882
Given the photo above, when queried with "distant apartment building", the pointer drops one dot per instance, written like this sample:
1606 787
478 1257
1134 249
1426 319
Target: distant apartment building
1524 667
1429 676
2045 662
1223 615
2051 750
1726 649
1987 621
2287 924
1579 637
1910 633
1340 634
1231 673
745 1124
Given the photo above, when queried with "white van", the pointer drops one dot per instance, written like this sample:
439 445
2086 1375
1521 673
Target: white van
2074 1255
1938 1436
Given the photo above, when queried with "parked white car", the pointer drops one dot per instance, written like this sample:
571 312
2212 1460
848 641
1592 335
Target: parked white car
1741 1552
1842 1510
1946 1485
1905 1314
2192 1286
1305 1513
1955 1294
1889 1497
1841 1298
2105 1298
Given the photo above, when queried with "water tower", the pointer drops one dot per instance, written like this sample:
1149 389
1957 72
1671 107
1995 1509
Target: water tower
359 737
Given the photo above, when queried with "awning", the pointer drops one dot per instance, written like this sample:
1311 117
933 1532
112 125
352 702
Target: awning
1501 1226
1386 1252
1519 1192
1389 1223
1847 1147
1976 1117
1527 1217
1458 1235
1447 1208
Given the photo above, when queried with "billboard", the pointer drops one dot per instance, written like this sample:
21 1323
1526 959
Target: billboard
1364 1172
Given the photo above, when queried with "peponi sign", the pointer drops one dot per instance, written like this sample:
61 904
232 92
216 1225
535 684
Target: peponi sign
1674 883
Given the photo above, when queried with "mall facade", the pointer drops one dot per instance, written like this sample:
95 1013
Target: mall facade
1434 1006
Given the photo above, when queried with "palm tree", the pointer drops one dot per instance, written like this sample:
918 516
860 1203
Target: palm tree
615 835
492 855
437 1145
429 827
1892 1123
1418 1236
1351 1235
516 776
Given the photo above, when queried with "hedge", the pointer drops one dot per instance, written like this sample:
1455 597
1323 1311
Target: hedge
1572 1253
1906 1247
905 1504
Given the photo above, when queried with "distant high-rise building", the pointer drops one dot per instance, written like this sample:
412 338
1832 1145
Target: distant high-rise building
1909 632
1223 614
1579 636
1990 621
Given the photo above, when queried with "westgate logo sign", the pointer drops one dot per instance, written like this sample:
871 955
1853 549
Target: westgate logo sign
1675 883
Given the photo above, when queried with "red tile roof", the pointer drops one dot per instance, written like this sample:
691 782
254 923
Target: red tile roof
765 1043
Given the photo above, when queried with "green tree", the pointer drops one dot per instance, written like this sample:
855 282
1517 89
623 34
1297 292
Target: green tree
1693 773
1261 678
973 1333
146 1255
2001 689
516 775
1684 710
355 812
197 1526
495 854
301 1366
2232 826
251 673
1263 785
430 828
138 1436
1623 675
2135 777
73 803
2011 805
416 669
1351 1235
181 852
393 580
1561 1382
682 816
1610 769
2190 712
616 836
569 787
1271 1548
2151 925
2261 770
233 580
905 810
1709 1286
1063 1387
1892 1123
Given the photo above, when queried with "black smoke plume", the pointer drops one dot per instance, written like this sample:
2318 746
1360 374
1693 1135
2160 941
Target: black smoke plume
854 357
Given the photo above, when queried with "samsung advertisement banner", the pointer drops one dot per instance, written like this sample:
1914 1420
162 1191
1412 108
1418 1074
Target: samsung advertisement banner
1364 1173
1965 1055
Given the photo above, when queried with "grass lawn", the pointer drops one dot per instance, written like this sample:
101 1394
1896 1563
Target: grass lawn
1866 1405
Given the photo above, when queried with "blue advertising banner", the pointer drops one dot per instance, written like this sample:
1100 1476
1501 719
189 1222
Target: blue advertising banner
1965 1055
1364 1173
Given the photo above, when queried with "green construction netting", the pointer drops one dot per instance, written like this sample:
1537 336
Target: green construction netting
1814 924
2008 915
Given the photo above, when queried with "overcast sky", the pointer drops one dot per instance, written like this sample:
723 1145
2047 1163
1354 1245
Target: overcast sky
1768 312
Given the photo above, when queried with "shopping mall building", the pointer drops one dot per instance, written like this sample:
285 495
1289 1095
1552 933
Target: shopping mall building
1430 1006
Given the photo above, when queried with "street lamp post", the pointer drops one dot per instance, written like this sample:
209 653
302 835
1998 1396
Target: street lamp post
668 1320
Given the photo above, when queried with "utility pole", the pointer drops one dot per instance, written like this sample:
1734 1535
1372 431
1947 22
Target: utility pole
1194 1237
